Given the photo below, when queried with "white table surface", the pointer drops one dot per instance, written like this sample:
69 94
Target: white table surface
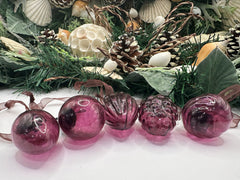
175 157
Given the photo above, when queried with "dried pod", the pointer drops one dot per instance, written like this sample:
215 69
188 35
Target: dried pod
15 46
121 110
86 39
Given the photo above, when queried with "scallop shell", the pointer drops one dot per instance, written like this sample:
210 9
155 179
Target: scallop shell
38 11
85 40
230 19
149 11
15 46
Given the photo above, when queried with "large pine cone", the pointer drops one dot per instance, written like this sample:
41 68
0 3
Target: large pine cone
233 47
62 3
125 52
167 39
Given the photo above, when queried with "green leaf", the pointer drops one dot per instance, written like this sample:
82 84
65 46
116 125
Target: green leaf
161 79
16 23
216 72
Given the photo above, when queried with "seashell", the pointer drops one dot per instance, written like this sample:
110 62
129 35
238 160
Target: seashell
161 59
158 21
229 19
150 10
85 40
197 10
38 11
102 71
133 13
15 46
63 35
132 25
110 65
78 8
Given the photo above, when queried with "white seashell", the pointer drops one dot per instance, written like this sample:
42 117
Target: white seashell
158 21
38 11
15 46
197 10
133 13
110 65
229 19
160 60
102 71
86 39
149 11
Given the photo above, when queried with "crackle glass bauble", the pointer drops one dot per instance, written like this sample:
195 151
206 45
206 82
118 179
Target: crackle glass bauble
158 115
35 132
81 117
207 116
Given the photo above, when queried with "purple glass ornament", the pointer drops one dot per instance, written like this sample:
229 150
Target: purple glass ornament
35 131
81 117
207 116
121 110
158 115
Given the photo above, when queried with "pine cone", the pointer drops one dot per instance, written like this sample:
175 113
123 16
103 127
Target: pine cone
46 36
167 39
233 46
125 52
62 3
114 2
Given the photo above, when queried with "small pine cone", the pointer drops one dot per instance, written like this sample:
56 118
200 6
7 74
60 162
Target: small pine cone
114 2
167 40
125 52
62 3
47 35
233 39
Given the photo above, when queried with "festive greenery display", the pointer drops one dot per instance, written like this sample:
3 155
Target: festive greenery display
50 64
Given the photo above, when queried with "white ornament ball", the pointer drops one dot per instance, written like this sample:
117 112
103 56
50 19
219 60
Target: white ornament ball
110 65
85 40
133 13
197 10
158 21
160 60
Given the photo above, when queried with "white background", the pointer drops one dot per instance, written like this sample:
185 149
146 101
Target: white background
177 156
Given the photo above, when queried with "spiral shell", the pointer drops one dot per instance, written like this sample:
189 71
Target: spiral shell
149 11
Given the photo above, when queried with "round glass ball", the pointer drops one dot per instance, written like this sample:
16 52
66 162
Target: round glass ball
35 131
207 116
81 117
158 115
